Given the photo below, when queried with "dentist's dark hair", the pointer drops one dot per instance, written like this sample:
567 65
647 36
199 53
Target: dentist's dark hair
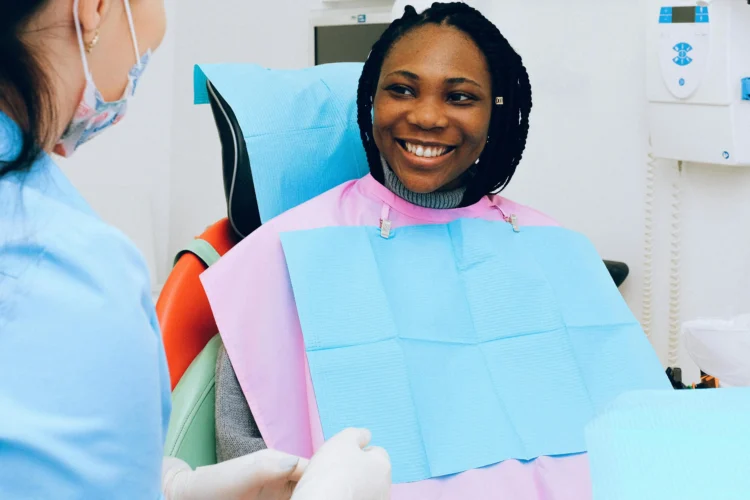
25 91
509 125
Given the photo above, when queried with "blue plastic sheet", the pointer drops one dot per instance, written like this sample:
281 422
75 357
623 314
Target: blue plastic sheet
687 445
300 127
465 344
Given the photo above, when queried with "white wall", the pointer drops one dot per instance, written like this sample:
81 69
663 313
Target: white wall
124 173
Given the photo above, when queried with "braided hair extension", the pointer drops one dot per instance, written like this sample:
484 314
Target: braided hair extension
509 125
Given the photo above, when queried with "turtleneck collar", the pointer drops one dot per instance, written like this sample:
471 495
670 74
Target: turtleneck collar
443 200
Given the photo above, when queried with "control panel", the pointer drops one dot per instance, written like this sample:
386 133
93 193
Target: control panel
684 47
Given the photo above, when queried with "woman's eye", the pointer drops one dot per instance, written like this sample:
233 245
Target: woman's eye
461 98
401 90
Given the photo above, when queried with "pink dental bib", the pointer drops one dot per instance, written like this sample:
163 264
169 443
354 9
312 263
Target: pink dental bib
253 303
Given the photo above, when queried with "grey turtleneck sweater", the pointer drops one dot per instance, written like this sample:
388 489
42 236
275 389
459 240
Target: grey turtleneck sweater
237 434
442 200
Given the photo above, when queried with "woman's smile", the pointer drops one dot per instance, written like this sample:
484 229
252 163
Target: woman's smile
425 155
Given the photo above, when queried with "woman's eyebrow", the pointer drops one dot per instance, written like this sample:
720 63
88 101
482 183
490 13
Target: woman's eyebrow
460 80
406 74
450 81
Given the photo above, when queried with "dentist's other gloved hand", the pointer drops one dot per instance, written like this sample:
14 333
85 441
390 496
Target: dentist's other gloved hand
266 475
345 469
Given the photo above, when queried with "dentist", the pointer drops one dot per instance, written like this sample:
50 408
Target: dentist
84 389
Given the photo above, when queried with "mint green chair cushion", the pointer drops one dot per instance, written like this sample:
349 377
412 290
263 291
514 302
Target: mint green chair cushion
192 428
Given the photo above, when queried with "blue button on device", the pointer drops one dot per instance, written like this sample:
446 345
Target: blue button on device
746 89
682 58
665 15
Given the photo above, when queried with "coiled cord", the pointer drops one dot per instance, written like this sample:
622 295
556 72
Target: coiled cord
673 353
648 246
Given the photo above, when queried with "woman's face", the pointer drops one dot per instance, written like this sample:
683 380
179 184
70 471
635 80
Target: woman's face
432 107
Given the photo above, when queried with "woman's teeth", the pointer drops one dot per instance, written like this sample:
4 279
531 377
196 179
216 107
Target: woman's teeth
425 152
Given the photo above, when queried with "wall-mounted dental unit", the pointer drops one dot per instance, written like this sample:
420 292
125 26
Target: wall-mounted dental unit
698 85
699 81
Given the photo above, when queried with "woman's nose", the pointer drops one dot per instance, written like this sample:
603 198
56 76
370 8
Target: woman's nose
427 115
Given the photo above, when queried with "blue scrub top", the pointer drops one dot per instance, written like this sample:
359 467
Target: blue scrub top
84 385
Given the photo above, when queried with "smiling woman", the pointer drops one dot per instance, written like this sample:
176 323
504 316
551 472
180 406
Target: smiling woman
443 112
451 101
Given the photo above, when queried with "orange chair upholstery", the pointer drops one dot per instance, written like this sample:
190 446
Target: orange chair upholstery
184 313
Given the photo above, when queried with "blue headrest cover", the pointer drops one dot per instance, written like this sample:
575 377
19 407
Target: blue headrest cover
300 127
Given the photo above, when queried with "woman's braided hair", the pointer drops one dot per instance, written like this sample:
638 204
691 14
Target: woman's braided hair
509 125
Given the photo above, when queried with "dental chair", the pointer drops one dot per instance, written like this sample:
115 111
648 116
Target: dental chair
192 345
293 114
188 328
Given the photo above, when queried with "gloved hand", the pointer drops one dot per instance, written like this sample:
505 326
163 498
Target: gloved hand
266 475
344 469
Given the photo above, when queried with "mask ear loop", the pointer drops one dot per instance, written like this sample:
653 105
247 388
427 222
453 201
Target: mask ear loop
132 33
81 44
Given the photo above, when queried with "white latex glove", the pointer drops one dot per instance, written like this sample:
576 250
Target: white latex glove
266 475
344 469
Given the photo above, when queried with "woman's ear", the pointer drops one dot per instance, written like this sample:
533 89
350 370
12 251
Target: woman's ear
91 14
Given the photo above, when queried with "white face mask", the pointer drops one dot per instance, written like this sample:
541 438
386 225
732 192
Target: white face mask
94 114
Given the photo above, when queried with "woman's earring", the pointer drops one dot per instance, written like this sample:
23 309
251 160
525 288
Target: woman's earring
94 41
476 162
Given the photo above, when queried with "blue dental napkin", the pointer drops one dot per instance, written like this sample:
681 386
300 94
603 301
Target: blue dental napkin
465 344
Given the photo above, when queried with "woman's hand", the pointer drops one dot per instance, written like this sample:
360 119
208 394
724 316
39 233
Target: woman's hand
344 469
266 475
